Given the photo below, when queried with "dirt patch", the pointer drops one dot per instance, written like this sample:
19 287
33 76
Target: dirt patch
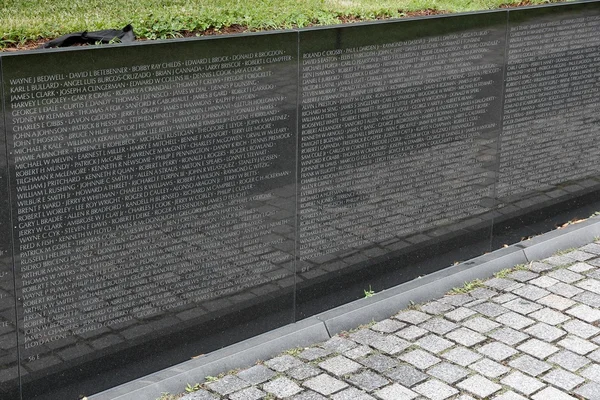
28 45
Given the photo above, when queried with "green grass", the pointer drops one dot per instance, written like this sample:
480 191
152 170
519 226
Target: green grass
24 20
467 287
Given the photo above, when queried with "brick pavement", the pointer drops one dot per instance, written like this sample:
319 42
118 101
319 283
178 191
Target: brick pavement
531 332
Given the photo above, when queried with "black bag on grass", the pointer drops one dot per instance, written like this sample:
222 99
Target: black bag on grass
106 36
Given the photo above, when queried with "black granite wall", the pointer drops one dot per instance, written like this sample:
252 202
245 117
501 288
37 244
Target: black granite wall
161 200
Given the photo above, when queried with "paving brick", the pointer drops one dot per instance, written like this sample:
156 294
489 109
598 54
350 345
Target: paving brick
565 275
588 298
461 356
530 365
358 352
447 372
412 316
395 392
522 306
592 373
549 316
338 344
594 273
456 300
340 365
476 302
538 266
577 345
564 289
434 343
436 308
199 395
503 298
562 379
499 283
522 383
545 332
558 260
481 324
406 375
379 362
579 255
256 374
466 337
584 313
552 393
489 368
282 387
589 391
388 326
497 351
544 281
227 385
581 267
515 320
366 336
592 248
325 384
490 309
557 302
509 336
438 325
390 344
368 381
482 293
419 358
531 292
568 360
594 355
435 390
459 314
283 363
465 397
589 284
412 332
479 386
522 275
352 394
314 353
510 395
250 393
303 372
537 348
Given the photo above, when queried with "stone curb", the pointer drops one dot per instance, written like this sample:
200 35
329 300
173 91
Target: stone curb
380 306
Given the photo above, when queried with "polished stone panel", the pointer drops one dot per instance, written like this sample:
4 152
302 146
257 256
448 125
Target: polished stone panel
168 199
549 145
9 367
399 124
154 191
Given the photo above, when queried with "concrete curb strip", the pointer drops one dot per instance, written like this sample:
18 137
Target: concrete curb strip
382 305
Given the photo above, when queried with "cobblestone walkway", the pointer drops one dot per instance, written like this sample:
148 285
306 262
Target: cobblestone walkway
529 333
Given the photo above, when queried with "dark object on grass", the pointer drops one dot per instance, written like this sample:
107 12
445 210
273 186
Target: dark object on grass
106 36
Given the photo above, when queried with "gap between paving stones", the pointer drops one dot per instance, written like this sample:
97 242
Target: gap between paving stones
529 340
